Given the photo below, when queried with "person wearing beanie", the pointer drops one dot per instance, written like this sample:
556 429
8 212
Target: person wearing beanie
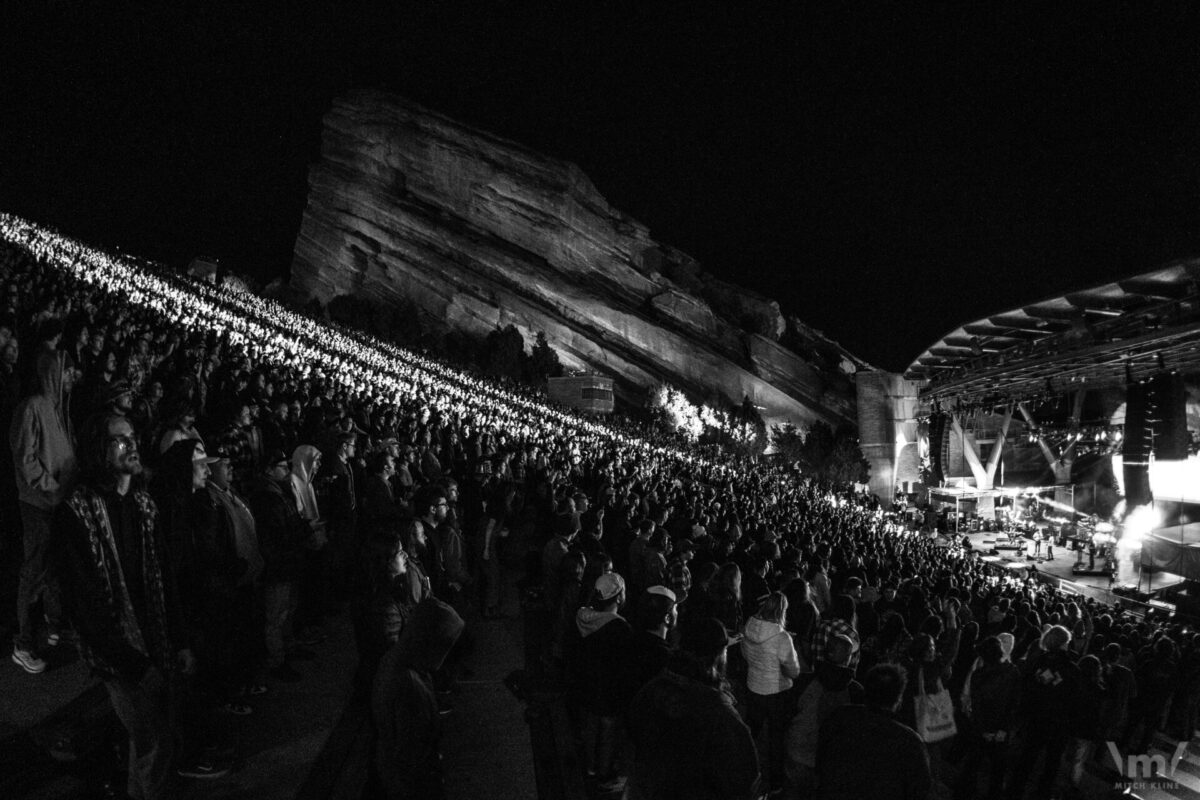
688 738
404 704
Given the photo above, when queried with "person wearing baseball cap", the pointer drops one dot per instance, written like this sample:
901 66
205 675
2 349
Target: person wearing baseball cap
688 738
597 672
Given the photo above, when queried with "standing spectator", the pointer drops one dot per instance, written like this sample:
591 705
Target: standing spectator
603 654
679 574
1086 722
285 538
498 505
205 567
771 665
1157 674
43 449
404 706
653 621
689 741
380 513
1050 682
451 551
990 701
342 515
238 611
380 609
864 752
832 687
1122 689
841 621
121 600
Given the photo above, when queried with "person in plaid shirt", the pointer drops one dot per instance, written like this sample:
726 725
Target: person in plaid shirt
841 620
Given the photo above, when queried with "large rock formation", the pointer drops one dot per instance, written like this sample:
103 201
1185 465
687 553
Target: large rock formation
480 232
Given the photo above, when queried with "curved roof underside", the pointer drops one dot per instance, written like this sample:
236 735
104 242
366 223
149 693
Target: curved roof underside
1093 337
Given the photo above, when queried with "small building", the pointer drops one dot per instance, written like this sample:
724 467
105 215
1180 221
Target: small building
592 393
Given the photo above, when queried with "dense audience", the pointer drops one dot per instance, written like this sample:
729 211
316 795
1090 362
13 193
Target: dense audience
205 481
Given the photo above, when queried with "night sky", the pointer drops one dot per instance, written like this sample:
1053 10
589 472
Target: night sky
886 171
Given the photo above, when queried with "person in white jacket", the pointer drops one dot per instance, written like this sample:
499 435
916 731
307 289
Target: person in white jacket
772 664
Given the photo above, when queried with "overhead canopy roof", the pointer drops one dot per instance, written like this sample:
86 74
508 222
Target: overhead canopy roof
1092 337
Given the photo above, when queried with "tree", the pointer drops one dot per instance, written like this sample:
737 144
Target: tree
832 456
505 353
543 361
788 441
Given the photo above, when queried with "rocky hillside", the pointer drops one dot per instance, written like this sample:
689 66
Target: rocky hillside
481 232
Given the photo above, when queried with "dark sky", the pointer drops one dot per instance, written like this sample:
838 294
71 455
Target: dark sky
886 171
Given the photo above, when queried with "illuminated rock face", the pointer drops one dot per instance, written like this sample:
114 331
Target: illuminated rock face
480 232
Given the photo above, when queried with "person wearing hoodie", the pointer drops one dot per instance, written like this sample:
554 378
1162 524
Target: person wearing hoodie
689 741
43 449
771 663
404 705
598 667
832 687
990 699
314 583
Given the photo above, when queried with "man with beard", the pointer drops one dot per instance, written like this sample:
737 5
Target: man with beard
120 597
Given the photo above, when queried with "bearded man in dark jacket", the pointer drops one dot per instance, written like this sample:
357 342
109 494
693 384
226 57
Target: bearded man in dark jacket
120 596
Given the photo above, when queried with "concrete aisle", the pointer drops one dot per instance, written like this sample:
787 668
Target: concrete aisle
486 743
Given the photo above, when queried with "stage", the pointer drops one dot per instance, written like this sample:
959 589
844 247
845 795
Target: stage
1059 570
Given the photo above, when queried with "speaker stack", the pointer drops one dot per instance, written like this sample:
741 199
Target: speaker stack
939 440
1136 444
1169 422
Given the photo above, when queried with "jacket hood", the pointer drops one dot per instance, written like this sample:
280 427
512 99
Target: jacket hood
589 620
50 368
428 636
760 630
833 677
303 458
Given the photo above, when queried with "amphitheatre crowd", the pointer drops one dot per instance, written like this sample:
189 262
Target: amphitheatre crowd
206 480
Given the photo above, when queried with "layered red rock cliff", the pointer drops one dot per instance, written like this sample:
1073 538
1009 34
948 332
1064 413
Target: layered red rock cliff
481 232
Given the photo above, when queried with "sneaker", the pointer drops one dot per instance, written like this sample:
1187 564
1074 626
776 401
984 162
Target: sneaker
52 639
204 768
257 689
28 661
240 709
286 673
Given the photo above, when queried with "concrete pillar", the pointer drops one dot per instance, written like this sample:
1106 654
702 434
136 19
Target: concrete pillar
887 429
